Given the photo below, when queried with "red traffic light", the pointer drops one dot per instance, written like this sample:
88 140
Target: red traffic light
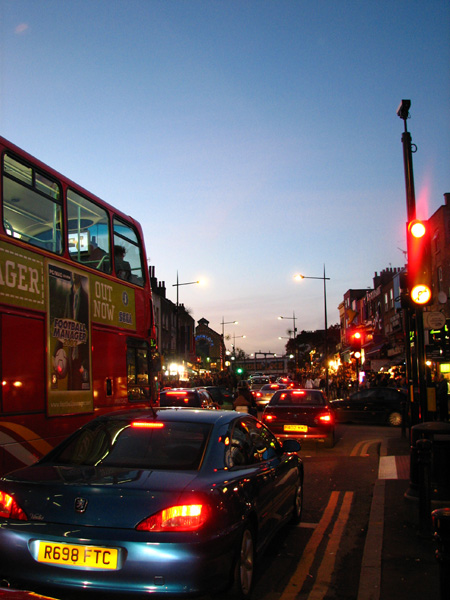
356 340
419 262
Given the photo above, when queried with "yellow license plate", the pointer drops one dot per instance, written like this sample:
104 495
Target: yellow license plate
73 555
302 428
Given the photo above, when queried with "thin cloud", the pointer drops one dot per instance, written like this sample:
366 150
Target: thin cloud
21 28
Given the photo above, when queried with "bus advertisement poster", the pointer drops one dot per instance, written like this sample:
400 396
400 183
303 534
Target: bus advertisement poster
69 335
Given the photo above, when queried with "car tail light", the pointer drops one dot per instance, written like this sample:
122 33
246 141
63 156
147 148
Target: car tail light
186 517
269 417
325 418
9 509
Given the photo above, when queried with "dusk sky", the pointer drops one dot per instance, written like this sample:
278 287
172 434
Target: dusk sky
252 139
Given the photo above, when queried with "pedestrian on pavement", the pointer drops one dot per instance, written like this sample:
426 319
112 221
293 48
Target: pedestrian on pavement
442 397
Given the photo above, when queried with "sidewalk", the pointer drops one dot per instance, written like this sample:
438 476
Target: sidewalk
398 564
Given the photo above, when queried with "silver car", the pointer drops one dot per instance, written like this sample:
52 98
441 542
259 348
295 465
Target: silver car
264 395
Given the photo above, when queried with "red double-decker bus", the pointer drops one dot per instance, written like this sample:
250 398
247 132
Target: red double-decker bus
76 315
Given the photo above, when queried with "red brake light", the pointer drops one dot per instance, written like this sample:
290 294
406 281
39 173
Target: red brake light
299 393
9 509
187 517
269 417
147 425
176 393
325 418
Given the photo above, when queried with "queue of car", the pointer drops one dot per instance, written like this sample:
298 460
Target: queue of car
172 500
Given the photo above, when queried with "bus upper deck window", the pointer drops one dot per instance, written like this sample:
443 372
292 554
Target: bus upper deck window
32 210
88 233
128 252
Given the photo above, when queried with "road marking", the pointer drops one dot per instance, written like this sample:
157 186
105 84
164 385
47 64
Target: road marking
361 448
325 572
370 577
387 468
393 467
304 566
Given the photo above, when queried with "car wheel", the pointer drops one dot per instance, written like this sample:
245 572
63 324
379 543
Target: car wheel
329 440
244 567
395 419
298 503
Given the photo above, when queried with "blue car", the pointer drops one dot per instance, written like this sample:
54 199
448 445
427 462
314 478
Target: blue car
166 501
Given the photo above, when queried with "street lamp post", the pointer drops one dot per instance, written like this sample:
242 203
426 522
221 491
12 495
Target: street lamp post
234 340
295 339
177 285
232 354
223 323
325 279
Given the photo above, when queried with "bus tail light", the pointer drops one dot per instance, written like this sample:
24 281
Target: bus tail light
9 509
186 517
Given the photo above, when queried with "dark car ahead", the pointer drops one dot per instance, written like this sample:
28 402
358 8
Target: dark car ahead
300 414
220 394
256 383
383 405
186 398
167 502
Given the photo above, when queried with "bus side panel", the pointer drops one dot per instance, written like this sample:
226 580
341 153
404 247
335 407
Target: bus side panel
23 364
109 366
22 390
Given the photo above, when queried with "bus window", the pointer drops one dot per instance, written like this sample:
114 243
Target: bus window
31 206
138 370
127 253
88 233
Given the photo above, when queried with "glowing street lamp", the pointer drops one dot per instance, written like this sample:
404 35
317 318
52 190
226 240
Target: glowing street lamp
295 336
223 323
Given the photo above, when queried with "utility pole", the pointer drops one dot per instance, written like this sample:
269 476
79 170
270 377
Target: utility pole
414 320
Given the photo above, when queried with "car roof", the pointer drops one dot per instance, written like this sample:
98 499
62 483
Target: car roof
179 389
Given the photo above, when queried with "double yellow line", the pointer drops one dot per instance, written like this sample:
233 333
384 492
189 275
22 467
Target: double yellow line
325 571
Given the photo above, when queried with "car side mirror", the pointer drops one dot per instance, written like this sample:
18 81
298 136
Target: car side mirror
291 446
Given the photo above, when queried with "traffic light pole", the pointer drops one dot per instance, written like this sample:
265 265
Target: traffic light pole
415 315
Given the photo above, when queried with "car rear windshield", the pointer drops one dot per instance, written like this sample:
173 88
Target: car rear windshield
179 398
135 444
300 397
